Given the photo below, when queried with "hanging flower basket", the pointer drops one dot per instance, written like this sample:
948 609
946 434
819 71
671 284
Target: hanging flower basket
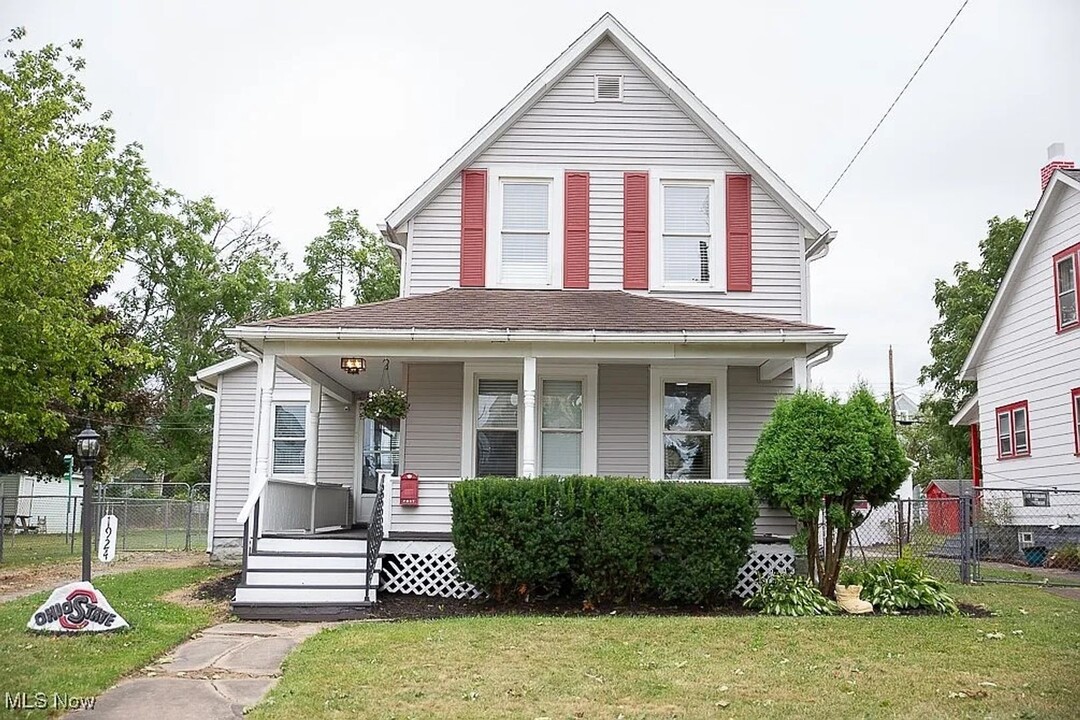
388 403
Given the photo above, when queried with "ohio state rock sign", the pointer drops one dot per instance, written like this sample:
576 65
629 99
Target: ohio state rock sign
76 607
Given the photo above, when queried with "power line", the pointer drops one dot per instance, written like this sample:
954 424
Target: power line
896 100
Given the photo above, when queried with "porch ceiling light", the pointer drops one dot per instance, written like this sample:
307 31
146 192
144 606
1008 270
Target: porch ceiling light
353 365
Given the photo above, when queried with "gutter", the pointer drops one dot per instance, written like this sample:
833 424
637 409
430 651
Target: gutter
390 238
203 389
820 247
507 335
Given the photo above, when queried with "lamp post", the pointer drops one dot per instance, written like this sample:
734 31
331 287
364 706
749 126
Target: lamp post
87 445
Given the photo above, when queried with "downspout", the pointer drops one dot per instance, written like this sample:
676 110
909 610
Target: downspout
818 358
390 238
820 247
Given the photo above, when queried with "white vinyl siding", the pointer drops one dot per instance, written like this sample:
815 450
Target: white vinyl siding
1027 358
568 129
623 420
432 432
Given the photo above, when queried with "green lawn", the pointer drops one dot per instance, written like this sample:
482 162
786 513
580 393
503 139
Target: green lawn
27 549
1020 663
87 664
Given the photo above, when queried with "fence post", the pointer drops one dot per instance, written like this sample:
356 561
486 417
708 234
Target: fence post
3 523
899 528
965 536
187 535
165 518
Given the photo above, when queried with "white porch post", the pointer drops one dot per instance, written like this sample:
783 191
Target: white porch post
528 426
311 447
799 373
263 433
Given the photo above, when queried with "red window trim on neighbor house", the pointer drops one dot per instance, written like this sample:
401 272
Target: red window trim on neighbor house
976 455
1010 411
1075 396
1074 253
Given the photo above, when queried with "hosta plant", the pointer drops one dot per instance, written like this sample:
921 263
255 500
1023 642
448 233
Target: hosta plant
793 595
896 586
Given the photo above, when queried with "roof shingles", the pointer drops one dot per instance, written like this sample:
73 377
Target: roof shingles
570 310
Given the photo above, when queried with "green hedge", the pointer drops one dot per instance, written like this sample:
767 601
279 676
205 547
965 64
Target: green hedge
602 539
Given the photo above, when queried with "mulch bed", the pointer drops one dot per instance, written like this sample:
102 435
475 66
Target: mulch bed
393 606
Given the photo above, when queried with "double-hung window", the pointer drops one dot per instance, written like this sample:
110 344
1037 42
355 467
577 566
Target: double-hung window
525 234
686 234
687 430
290 427
1067 287
497 428
1012 431
561 427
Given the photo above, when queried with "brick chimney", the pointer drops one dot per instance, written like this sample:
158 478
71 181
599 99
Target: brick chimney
1055 156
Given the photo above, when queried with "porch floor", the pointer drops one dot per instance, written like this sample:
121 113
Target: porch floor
356 532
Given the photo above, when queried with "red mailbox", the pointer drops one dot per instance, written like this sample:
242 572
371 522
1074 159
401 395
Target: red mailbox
410 489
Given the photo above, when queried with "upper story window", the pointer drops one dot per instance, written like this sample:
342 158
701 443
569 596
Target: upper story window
525 233
290 441
1013 438
1066 267
687 246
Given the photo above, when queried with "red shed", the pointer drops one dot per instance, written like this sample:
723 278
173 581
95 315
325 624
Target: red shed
944 504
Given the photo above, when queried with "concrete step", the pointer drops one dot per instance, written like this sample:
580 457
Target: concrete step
304 578
305 561
281 595
312 545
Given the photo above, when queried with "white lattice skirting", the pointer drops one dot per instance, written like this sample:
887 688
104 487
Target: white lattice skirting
435 574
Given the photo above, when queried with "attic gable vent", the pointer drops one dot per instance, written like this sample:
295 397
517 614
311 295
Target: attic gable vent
608 88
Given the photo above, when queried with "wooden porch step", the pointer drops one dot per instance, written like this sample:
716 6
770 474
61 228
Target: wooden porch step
285 595
326 545
308 561
306 577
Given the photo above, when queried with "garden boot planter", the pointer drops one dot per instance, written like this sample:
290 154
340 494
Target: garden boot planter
847 597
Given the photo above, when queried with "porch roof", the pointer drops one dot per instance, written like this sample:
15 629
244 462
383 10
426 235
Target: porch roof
539 310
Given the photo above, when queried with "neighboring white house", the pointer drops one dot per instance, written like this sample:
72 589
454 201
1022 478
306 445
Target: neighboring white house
907 410
604 243
1025 416
41 504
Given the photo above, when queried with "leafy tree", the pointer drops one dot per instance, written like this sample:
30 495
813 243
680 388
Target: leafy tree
962 305
815 458
66 197
198 271
347 263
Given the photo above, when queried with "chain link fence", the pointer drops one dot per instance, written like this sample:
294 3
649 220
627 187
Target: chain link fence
40 528
998 535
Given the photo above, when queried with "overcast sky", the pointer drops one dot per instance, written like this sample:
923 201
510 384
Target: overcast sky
291 108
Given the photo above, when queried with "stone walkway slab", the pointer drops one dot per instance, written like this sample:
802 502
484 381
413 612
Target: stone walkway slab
213 676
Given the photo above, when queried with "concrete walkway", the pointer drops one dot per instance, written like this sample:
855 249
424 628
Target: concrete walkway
216 675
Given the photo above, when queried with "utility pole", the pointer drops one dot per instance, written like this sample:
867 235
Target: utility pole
892 390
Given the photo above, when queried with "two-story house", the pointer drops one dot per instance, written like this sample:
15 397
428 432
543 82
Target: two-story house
603 280
1025 417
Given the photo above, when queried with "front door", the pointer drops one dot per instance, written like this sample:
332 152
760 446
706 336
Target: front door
381 453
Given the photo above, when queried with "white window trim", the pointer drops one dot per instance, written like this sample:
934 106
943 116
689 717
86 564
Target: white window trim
587 374
300 478
556 212
474 373
717 250
596 87
1060 292
717 376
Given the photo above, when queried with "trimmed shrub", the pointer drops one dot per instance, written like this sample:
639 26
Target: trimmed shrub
602 539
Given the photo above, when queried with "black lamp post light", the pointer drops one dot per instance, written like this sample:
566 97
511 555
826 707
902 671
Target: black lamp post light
87 446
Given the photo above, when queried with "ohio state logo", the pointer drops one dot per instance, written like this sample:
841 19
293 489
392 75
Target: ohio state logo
78 609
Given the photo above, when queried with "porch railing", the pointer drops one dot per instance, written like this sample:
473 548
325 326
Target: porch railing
375 533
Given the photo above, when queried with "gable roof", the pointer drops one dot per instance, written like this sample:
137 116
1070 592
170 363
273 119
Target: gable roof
968 414
1060 182
607 27
538 310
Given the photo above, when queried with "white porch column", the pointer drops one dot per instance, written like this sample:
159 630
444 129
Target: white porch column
528 426
264 432
799 373
311 446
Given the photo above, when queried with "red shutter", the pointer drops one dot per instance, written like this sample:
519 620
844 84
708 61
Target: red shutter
636 231
576 231
473 227
739 264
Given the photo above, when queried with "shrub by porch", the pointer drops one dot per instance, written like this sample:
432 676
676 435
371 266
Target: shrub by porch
602 539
